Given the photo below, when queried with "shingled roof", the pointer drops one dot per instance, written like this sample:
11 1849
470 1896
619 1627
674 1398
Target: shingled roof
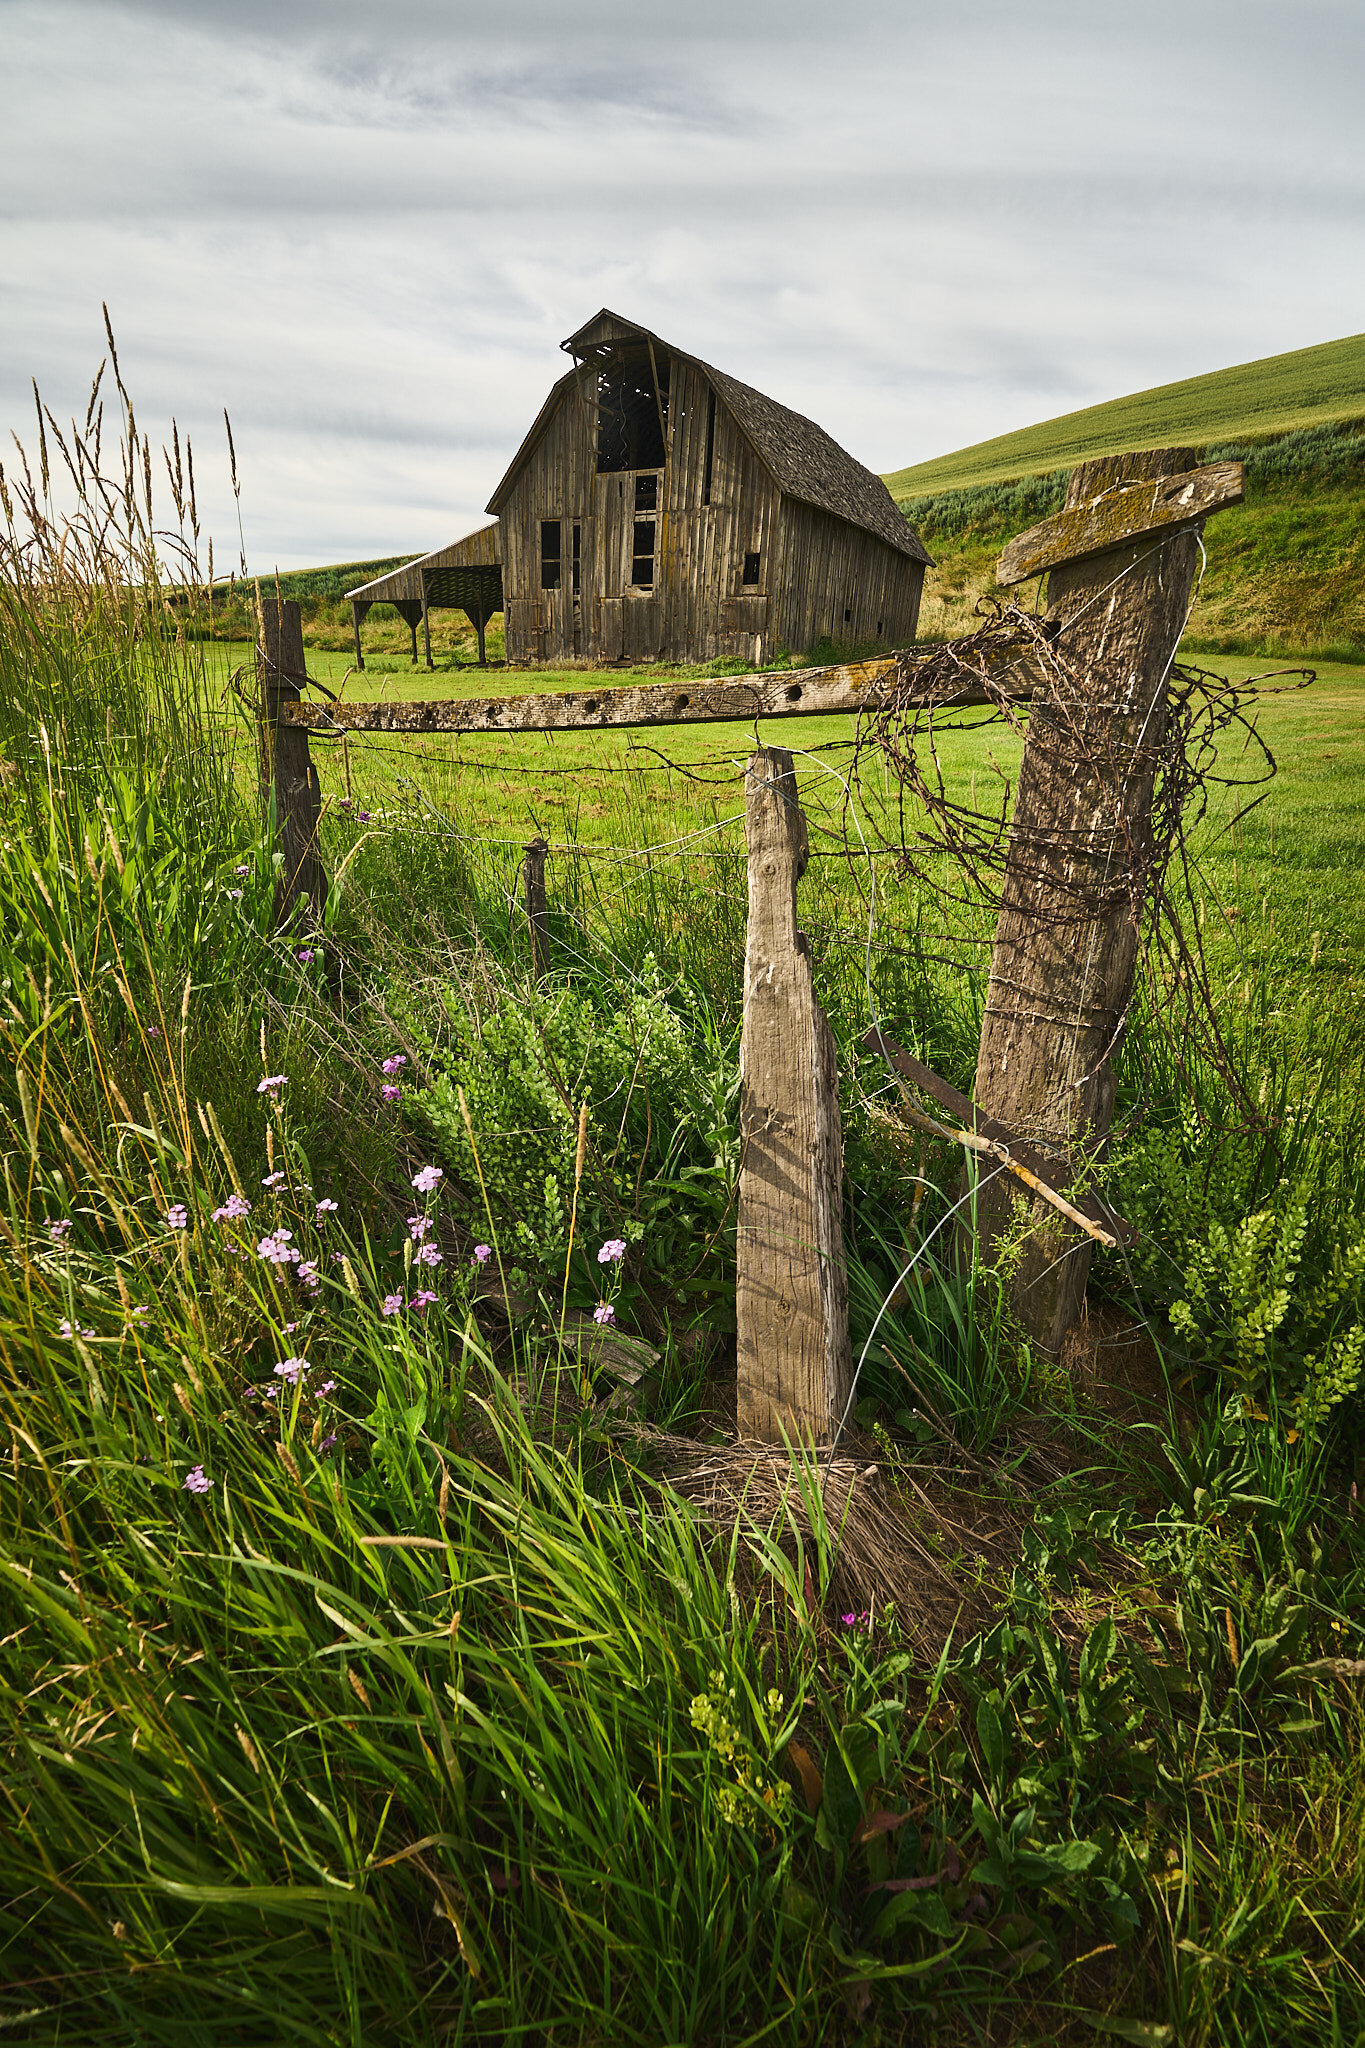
804 461
807 463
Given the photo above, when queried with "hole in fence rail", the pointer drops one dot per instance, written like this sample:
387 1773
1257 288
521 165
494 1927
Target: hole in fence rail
794 693
681 703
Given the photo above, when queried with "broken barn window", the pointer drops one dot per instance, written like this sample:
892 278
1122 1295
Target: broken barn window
631 408
578 556
642 561
646 493
710 449
549 554
751 566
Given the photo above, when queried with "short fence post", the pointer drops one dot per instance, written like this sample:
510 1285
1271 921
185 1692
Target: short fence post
286 770
1065 953
794 1357
537 917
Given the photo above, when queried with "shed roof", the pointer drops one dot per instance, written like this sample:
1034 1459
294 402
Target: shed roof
804 461
475 562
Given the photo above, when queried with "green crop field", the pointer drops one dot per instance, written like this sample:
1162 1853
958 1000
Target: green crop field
1252 401
382 1661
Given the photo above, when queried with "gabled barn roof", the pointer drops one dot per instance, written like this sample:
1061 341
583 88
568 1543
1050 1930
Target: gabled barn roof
803 460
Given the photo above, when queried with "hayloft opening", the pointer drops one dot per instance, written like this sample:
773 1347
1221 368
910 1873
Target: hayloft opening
632 407
751 568
646 493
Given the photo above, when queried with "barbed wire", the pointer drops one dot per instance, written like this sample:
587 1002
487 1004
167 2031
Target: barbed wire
1146 775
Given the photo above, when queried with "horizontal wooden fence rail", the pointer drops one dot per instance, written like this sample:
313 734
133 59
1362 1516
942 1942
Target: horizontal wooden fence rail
790 693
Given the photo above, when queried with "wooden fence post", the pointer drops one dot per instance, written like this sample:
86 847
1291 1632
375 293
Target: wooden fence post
537 917
1065 952
794 1357
286 769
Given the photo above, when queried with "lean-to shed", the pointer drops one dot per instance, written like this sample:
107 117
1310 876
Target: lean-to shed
661 510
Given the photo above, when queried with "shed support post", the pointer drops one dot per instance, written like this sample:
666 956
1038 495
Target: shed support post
537 916
426 622
355 623
794 1356
412 629
1066 942
287 773
480 627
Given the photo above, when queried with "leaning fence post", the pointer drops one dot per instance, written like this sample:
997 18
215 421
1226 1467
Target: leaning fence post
794 1356
286 770
1122 563
537 917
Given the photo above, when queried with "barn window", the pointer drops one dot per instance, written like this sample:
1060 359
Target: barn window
710 449
578 556
642 562
848 613
632 407
646 493
751 568
549 554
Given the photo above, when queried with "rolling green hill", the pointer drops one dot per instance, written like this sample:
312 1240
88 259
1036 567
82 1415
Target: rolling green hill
1286 570
1252 401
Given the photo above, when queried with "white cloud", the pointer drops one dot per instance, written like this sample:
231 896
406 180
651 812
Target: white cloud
920 226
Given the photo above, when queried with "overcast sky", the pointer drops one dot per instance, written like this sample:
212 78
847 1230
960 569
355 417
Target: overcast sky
364 229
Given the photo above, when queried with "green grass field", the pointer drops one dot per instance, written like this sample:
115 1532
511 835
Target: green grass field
1252 401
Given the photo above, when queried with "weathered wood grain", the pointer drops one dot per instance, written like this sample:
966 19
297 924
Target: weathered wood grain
537 916
788 693
1066 941
791 1306
287 772
1125 512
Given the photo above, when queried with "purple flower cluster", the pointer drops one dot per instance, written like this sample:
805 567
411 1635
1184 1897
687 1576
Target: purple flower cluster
604 1313
429 1255
273 1180
272 1085
612 1250
195 1482
304 955
277 1248
58 1227
391 1304
177 1216
291 1369
390 1092
64 1329
422 1300
418 1227
395 1062
427 1179
326 1207
233 1207
482 1254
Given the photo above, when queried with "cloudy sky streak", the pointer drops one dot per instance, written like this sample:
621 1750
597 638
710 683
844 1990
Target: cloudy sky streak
365 231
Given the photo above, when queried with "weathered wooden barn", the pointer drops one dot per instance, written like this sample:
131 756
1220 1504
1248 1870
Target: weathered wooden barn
660 510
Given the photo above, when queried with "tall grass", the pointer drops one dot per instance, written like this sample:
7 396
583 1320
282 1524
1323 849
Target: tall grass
351 1702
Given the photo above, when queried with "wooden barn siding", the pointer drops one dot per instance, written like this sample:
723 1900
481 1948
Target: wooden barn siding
812 566
700 549
826 566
